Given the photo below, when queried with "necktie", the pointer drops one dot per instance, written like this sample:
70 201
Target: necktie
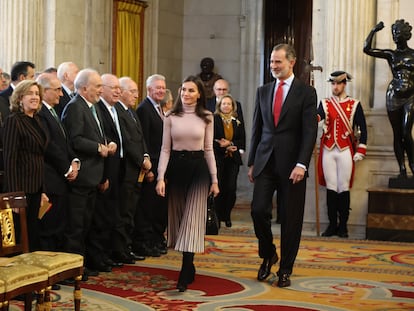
54 114
131 114
118 129
161 113
277 104
95 115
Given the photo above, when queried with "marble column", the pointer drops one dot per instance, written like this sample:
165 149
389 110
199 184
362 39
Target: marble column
22 31
339 30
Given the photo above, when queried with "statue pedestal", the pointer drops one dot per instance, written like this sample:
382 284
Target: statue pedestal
390 214
401 183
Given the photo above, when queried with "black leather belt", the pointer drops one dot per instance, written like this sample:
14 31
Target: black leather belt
186 154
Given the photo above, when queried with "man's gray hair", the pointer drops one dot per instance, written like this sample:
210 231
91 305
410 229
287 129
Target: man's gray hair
62 69
153 78
82 78
44 80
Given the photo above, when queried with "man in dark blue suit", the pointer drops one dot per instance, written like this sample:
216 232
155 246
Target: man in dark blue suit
105 217
61 166
86 136
283 136
151 219
135 163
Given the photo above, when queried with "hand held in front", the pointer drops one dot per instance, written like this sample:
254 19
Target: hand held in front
214 189
297 175
160 188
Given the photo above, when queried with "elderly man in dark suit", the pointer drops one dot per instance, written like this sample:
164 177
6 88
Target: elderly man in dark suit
106 215
152 213
135 162
283 136
61 166
66 73
87 138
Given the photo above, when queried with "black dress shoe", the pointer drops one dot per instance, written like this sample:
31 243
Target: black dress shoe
22 297
69 282
342 234
181 287
87 272
284 280
147 251
162 248
264 270
135 256
125 258
100 266
85 278
228 223
330 231
113 263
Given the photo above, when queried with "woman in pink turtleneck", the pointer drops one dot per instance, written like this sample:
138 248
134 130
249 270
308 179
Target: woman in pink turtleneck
187 173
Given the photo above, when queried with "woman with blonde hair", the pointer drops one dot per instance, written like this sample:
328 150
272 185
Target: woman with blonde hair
229 143
25 142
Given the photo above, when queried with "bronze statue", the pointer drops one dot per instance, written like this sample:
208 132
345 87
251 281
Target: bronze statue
400 91
208 76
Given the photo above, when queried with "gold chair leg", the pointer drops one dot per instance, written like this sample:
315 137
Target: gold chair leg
4 306
77 293
47 304
40 300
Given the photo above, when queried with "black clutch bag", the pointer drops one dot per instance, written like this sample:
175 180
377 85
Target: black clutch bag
212 223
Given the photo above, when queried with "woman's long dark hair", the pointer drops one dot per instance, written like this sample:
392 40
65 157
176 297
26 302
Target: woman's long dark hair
200 109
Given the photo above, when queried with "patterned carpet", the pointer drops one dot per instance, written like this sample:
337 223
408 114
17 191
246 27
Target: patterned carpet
330 274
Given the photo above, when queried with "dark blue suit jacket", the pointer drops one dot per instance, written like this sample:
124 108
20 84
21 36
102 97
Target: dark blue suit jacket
134 143
112 162
58 156
293 139
84 136
152 127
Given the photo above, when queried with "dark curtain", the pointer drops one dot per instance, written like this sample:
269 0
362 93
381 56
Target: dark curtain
289 21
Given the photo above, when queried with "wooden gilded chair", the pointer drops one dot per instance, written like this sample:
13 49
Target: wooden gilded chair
17 279
59 266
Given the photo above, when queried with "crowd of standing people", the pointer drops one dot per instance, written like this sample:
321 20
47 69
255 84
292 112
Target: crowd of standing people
124 183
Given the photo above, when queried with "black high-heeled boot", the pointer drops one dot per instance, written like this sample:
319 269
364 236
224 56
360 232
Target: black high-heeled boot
187 272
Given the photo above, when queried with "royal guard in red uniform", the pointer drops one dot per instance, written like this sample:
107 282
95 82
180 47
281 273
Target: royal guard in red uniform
342 117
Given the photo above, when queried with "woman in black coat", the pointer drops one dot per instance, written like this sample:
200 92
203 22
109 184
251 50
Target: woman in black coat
229 145
25 142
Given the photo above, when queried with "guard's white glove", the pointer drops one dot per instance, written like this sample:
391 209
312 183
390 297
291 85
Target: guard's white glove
358 156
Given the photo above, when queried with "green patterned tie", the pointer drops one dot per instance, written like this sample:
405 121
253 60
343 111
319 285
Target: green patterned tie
54 114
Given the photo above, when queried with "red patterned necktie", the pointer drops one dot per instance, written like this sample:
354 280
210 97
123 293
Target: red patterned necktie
277 104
